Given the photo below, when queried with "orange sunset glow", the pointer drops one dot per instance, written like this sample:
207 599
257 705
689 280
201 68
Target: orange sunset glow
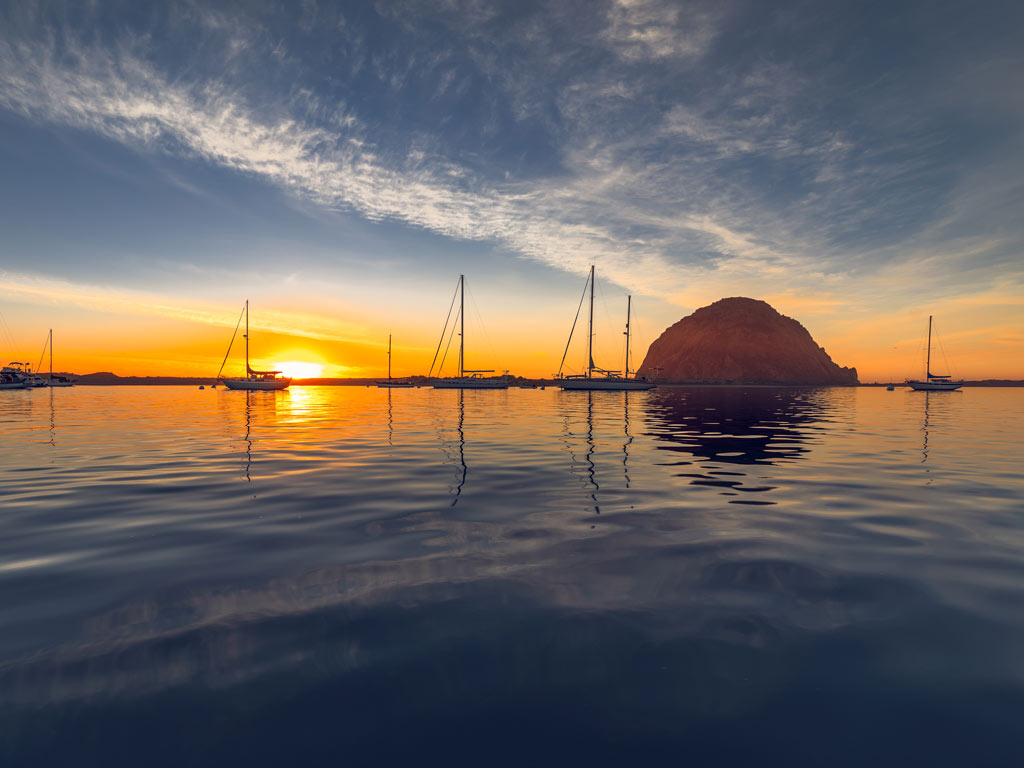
128 333
295 369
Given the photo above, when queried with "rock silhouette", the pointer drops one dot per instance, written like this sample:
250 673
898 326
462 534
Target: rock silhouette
741 341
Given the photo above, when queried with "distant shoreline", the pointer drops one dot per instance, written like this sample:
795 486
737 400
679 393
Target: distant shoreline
113 380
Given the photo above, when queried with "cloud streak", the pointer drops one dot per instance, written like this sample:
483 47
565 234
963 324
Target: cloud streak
744 180
62 293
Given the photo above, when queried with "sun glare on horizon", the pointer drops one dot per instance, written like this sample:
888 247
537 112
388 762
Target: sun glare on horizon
295 369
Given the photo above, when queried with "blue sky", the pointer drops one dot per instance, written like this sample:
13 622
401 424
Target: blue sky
856 164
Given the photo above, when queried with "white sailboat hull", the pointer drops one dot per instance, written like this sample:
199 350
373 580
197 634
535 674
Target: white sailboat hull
611 385
257 385
468 382
935 386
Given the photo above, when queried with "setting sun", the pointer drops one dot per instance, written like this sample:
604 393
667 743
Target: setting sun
298 370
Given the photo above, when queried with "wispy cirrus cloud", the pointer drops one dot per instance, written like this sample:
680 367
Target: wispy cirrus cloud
121 96
674 169
640 29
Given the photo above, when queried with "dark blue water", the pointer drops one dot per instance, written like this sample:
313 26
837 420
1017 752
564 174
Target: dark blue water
331 576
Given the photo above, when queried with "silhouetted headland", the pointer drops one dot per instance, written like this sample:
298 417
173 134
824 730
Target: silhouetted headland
741 341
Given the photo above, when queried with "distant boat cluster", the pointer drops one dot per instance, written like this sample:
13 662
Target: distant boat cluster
19 375
16 375
595 378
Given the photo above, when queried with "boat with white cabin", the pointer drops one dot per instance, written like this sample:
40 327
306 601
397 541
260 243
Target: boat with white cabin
21 373
254 380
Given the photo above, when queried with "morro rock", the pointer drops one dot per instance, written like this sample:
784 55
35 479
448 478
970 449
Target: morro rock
741 341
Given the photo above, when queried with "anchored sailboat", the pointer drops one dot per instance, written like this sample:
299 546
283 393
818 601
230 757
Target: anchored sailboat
253 380
933 382
467 378
51 380
393 383
605 380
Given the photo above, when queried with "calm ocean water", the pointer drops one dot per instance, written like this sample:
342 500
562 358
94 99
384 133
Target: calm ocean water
340 575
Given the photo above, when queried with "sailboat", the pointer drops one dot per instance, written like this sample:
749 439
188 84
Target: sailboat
933 382
467 378
389 382
606 380
51 380
253 380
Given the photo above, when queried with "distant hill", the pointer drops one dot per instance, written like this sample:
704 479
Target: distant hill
741 341
105 378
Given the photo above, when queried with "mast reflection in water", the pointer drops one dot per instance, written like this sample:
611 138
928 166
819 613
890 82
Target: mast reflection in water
592 591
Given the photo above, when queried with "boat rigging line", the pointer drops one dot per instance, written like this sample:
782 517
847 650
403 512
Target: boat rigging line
448 346
574 321
42 354
230 344
443 331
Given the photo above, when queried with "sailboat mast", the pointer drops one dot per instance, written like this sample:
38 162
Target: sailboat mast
629 302
462 324
51 355
928 364
389 356
590 328
246 337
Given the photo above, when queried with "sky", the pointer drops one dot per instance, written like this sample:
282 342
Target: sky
339 165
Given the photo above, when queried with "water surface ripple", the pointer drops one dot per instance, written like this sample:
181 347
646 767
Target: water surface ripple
779 576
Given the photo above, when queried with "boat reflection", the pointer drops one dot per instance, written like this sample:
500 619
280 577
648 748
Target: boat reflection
629 437
583 446
53 421
248 436
257 404
926 428
454 449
